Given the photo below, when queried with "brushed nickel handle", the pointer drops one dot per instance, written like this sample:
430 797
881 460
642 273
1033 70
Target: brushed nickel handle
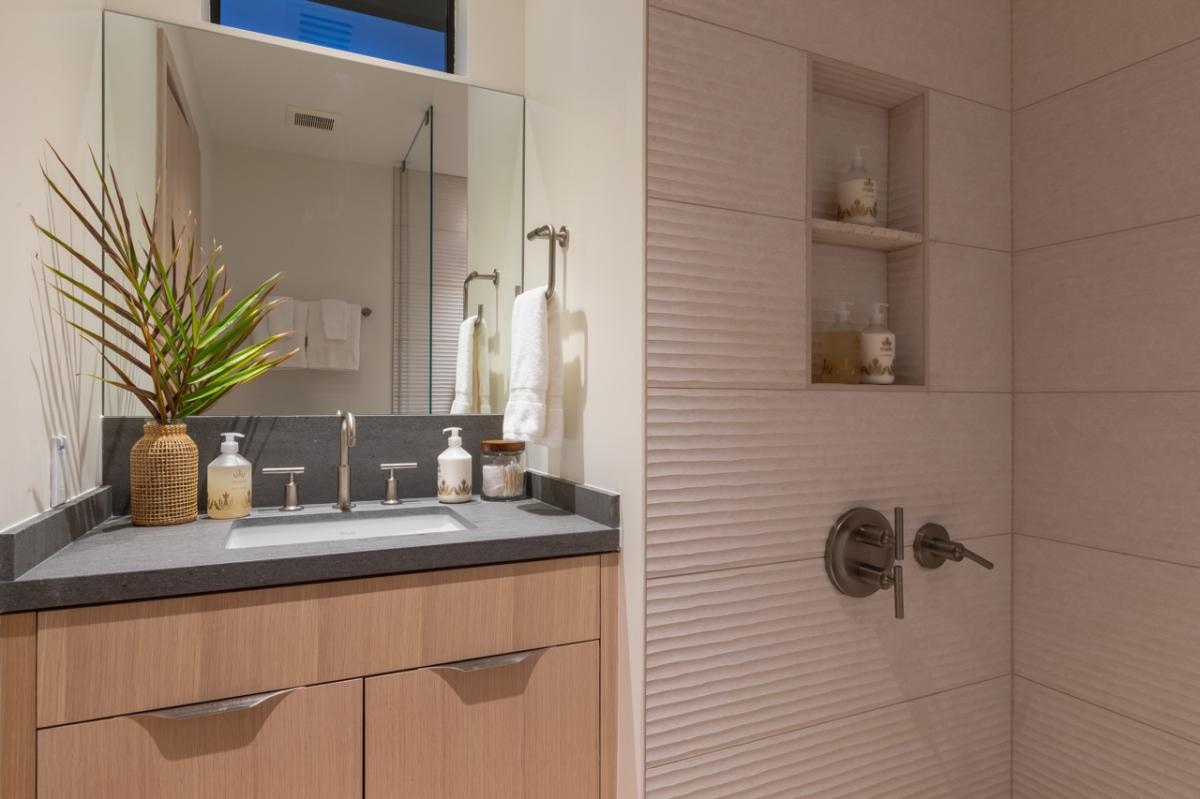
492 662
217 708
862 554
291 493
933 547
391 494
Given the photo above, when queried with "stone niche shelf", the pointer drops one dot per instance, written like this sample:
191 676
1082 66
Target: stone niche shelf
827 231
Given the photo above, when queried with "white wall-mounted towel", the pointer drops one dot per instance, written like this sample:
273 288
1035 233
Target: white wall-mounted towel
335 319
472 369
534 410
326 353
290 317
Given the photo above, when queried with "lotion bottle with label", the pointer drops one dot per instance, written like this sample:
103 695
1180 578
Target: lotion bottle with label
858 200
878 349
841 349
454 470
229 489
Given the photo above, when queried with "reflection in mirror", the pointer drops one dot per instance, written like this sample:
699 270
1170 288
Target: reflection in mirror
375 190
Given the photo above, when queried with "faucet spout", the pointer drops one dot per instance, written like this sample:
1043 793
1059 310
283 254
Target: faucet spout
347 439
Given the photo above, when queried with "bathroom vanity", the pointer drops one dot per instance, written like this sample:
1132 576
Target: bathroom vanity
474 662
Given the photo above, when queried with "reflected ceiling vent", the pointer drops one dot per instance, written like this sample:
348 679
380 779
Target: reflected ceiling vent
311 118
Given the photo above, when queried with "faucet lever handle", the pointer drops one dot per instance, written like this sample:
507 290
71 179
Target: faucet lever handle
933 547
291 492
392 490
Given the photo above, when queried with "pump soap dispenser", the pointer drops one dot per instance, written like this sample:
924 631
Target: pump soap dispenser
454 470
879 349
229 490
842 349
858 193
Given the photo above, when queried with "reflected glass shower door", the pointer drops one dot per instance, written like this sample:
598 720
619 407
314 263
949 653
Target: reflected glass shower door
412 287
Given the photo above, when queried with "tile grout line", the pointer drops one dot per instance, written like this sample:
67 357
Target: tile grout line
1012 403
1115 552
1090 703
1115 232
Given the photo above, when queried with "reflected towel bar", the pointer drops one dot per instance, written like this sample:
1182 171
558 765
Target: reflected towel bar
494 277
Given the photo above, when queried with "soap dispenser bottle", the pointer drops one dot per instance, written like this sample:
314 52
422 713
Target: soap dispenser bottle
229 489
841 349
858 193
454 470
878 349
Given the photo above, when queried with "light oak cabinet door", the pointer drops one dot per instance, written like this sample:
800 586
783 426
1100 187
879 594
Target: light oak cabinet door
300 744
523 726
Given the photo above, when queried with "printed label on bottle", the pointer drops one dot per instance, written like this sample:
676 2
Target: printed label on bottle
878 358
857 200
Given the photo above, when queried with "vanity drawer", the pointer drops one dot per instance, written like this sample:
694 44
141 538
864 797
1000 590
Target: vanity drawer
302 744
109 660
522 726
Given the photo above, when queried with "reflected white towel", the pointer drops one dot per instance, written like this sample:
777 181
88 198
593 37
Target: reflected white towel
289 318
472 369
534 410
326 353
335 319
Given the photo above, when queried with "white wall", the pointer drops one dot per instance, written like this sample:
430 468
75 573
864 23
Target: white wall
584 85
327 225
50 57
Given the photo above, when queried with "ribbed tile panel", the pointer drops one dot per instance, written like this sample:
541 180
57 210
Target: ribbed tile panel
1115 630
1067 749
1113 154
970 173
740 654
953 745
740 477
906 313
1111 312
970 319
906 166
1114 471
725 300
725 118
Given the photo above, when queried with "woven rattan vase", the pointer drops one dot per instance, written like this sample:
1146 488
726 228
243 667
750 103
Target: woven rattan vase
164 472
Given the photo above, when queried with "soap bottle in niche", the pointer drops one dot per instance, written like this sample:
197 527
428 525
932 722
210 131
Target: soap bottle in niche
858 193
454 470
841 349
229 490
878 349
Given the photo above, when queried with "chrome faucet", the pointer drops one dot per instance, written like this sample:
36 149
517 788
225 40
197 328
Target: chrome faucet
349 435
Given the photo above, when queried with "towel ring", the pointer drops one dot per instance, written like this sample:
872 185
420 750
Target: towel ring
562 238
494 278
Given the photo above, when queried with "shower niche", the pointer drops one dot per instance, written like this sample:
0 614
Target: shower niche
868 264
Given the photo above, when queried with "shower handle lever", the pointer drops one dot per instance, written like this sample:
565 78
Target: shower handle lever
862 555
933 547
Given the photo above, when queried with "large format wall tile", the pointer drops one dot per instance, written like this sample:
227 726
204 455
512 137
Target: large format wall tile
1113 471
739 654
1113 154
725 118
970 319
952 745
1112 313
742 477
1115 630
1059 45
725 301
1067 749
970 173
958 46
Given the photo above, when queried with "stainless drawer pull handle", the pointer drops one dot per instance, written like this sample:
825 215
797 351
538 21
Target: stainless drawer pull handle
215 708
493 662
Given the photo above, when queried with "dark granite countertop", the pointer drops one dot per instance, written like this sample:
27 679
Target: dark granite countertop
117 561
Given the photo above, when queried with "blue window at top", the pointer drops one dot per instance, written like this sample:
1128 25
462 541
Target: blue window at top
416 32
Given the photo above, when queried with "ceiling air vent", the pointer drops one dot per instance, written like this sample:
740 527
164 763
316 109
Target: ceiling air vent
309 118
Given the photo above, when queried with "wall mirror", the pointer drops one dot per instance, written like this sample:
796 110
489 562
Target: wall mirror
375 188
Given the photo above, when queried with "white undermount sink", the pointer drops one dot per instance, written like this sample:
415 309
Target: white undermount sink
276 531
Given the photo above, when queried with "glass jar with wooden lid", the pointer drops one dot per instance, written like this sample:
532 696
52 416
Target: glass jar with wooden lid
503 465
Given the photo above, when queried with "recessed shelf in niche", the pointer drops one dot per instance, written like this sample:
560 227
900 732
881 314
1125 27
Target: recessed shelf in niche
861 264
828 231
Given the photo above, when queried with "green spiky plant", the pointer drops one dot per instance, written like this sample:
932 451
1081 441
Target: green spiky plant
164 325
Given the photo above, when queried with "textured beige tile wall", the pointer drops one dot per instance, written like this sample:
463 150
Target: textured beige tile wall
762 680
957 46
1060 44
1106 211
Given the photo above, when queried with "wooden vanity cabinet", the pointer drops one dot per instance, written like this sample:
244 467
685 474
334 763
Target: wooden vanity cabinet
523 726
489 681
